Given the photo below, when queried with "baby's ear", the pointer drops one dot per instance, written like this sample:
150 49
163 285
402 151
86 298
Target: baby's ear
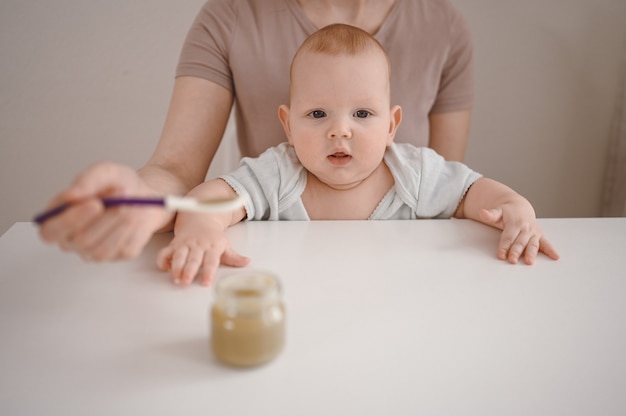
395 118
283 116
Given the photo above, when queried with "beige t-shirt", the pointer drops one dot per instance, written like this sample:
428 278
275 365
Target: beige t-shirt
246 46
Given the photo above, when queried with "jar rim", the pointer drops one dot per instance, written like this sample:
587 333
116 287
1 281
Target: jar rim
249 284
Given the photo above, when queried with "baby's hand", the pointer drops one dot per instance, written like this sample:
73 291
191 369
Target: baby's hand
521 235
186 255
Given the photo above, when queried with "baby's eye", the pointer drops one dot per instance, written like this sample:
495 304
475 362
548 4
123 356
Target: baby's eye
362 114
317 114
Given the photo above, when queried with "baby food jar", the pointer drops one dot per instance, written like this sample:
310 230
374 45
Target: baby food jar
247 319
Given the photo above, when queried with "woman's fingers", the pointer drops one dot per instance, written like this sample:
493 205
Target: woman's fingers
97 233
63 228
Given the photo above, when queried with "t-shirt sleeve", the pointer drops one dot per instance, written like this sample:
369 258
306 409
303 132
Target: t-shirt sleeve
206 48
456 88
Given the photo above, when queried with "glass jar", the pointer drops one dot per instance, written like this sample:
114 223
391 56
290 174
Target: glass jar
247 319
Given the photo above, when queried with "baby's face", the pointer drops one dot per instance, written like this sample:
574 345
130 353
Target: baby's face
339 120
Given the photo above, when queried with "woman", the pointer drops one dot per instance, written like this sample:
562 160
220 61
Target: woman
238 51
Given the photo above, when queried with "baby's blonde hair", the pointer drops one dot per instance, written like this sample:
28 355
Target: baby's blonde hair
337 39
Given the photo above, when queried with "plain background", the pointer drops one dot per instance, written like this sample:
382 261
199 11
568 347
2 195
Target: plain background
84 80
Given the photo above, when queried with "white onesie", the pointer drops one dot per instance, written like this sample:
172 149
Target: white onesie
426 185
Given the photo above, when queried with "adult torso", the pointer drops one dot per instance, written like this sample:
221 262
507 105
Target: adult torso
263 35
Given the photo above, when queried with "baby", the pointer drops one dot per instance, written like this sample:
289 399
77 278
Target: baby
340 163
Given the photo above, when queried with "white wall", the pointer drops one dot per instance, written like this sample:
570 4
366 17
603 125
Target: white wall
548 78
86 80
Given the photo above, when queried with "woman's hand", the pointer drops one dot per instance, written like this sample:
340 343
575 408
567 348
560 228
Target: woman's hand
97 233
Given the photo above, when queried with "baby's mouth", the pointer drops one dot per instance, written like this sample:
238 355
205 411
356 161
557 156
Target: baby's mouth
339 158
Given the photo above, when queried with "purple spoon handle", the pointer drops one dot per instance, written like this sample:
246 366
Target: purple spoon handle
107 202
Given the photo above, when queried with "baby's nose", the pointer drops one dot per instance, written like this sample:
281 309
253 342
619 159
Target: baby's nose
340 130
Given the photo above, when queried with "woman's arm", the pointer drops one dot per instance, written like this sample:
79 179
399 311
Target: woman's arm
449 133
196 120
193 129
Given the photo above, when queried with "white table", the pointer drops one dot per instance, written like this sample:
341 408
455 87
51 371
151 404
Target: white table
384 318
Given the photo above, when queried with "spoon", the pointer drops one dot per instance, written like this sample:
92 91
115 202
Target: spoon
172 203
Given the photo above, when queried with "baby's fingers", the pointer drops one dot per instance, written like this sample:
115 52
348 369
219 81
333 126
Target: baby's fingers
522 242
174 259
234 259
177 263
532 248
210 265
507 240
492 217
164 258
190 267
548 249
228 258
529 245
